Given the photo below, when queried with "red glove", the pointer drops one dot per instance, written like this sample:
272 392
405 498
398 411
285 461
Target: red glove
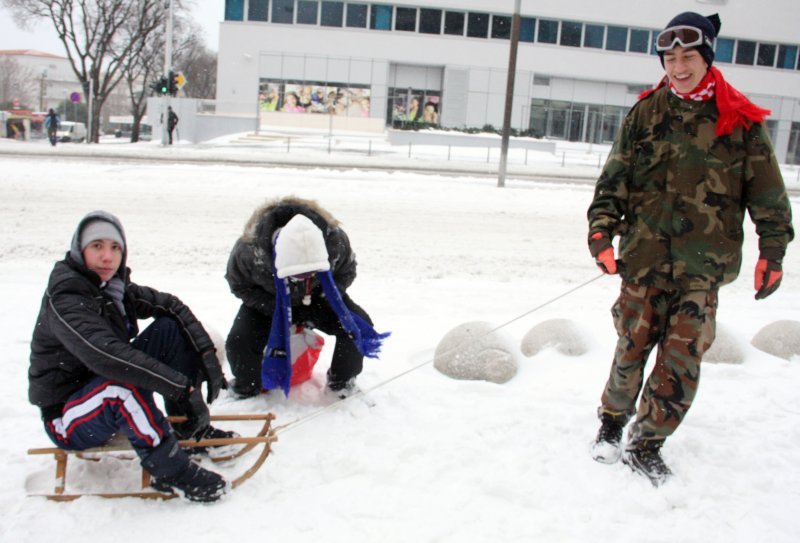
767 278
603 252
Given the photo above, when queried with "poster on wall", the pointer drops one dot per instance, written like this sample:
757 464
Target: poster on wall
414 107
305 97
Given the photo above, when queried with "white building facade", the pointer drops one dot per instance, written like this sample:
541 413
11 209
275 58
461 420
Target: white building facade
580 63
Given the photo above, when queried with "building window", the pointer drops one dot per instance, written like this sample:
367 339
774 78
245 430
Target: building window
234 10
548 31
786 56
283 11
405 19
571 33
307 12
380 17
526 27
593 36
454 23
356 15
745 52
640 41
724 50
257 10
332 14
766 54
617 39
501 27
477 25
430 21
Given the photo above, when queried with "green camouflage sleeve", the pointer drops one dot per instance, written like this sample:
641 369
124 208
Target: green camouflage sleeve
765 195
608 206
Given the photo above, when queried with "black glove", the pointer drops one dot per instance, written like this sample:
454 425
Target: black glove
192 406
212 375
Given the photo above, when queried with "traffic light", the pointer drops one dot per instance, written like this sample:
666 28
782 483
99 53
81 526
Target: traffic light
160 86
172 83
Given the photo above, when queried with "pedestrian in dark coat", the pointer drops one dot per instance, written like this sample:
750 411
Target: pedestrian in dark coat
172 122
294 261
93 374
51 123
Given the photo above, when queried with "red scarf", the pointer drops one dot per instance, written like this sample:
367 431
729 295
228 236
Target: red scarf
734 107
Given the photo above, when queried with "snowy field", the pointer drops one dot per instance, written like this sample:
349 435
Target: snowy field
433 460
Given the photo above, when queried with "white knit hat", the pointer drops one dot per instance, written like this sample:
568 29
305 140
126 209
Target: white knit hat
300 248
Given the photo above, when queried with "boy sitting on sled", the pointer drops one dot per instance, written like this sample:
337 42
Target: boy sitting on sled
93 374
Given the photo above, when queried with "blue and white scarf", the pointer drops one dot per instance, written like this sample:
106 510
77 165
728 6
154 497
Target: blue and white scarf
276 368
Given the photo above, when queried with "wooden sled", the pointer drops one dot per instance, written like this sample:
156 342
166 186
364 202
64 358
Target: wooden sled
265 436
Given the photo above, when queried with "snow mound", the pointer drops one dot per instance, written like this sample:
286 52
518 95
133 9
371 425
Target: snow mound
563 334
726 349
219 341
475 351
780 338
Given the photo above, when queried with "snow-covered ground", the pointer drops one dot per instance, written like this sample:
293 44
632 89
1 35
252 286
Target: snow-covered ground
434 460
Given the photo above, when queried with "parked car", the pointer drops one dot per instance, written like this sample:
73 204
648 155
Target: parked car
71 131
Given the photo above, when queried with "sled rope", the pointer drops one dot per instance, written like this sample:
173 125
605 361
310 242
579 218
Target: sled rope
311 416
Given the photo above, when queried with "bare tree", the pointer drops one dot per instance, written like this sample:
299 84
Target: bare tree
197 62
94 40
16 83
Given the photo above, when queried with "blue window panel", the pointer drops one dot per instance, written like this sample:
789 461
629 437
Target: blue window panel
332 14
527 25
307 12
380 17
593 36
786 56
356 15
617 38
548 31
723 51
234 10
283 11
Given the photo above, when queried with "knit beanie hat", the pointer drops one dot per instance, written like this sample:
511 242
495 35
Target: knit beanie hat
300 248
709 26
100 229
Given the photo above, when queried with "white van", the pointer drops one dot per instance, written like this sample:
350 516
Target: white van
71 131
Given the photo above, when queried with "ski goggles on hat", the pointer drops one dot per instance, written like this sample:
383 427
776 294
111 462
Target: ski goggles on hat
685 36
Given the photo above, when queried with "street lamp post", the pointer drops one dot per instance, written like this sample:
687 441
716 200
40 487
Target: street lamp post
512 68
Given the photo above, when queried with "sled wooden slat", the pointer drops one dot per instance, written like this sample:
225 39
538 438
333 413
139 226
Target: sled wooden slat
265 437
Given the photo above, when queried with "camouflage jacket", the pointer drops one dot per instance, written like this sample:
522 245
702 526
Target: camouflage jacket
675 193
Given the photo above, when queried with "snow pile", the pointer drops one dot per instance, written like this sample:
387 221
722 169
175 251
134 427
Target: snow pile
780 338
565 335
727 347
475 351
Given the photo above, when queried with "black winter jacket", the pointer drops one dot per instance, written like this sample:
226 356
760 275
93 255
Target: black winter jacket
250 264
81 334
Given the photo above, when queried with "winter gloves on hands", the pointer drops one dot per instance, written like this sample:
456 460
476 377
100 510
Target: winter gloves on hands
603 252
768 274
212 375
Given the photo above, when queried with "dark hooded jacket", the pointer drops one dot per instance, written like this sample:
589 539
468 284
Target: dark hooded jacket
250 266
80 332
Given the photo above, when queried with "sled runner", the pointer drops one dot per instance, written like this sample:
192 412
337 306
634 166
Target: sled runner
265 437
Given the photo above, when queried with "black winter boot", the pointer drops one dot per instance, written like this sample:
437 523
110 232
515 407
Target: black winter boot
646 460
194 483
172 470
606 448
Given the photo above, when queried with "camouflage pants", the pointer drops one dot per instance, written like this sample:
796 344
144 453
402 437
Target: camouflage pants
682 325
